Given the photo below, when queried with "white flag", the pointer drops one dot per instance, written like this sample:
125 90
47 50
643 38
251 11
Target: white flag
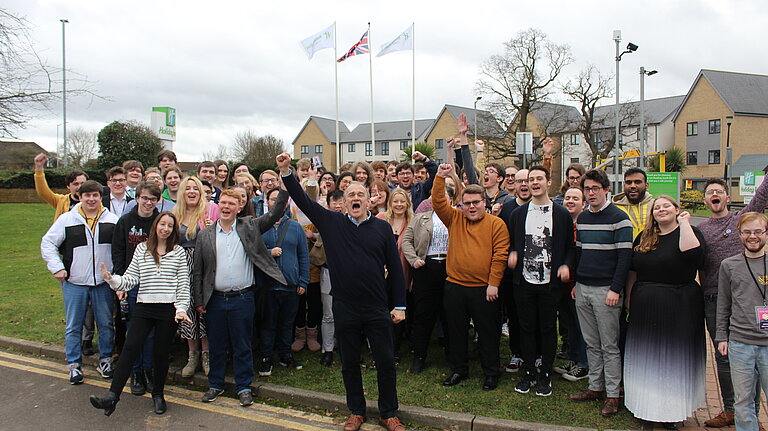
321 40
404 42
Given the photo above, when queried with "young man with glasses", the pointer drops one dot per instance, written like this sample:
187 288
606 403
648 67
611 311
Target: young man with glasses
742 334
721 234
478 245
604 255
419 191
493 177
115 199
509 179
268 180
131 230
152 176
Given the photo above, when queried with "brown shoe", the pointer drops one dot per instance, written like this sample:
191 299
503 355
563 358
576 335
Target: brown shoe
611 407
354 422
760 427
588 395
724 419
392 424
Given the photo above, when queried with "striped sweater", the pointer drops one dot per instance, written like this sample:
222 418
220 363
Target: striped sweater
604 248
164 283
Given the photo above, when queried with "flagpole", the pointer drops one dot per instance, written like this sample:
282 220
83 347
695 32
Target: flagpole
370 72
413 91
336 76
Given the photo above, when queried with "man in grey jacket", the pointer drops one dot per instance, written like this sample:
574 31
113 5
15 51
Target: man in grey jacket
226 297
742 317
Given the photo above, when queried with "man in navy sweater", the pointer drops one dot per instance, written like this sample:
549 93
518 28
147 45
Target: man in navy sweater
604 254
358 247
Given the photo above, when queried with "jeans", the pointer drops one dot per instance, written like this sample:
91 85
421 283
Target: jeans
277 324
76 299
577 348
327 327
144 359
230 320
749 367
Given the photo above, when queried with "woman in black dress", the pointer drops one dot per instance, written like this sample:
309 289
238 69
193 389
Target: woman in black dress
664 362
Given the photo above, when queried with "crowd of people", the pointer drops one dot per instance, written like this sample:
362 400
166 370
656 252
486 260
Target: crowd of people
385 255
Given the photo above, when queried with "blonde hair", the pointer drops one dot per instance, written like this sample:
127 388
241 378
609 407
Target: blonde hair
752 216
198 211
254 183
649 238
389 215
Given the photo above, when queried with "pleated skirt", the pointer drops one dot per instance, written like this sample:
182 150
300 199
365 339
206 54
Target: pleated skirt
665 353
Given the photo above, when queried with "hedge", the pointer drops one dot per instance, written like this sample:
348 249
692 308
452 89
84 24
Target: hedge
55 178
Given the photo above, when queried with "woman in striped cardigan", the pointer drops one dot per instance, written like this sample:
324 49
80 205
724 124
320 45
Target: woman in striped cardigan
159 268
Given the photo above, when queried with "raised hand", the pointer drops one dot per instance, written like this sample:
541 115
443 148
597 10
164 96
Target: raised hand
449 144
104 273
40 160
444 169
283 163
548 146
479 145
417 155
312 173
461 124
684 217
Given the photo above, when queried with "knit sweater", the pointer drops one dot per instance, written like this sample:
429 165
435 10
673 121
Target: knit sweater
723 238
356 255
164 283
604 248
477 250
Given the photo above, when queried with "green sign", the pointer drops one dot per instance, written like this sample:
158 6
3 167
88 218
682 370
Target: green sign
170 115
664 183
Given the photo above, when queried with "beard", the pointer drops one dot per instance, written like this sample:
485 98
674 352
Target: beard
639 199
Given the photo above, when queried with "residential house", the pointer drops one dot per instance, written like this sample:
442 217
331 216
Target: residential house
391 137
317 138
444 127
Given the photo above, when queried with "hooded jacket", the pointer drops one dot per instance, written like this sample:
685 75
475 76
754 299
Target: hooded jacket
638 213
70 244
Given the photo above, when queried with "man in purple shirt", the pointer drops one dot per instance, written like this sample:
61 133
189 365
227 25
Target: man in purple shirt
723 241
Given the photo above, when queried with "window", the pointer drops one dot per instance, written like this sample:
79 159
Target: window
404 144
693 157
714 127
575 139
638 133
693 129
368 149
439 161
350 148
318 149
385 148
305 149
574 160
439 143
714 156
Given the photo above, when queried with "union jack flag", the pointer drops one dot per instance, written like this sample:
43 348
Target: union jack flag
357 49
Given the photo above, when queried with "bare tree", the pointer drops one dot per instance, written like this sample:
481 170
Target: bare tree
220 153
27 82
255 150
522 75
81 146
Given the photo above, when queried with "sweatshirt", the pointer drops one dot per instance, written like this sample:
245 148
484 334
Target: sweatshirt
638 213
477 250
130 231
61 203
736 301
604 247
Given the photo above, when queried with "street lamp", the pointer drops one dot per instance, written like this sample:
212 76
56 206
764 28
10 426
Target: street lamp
631 47
64 87
643 73
476 100
728 156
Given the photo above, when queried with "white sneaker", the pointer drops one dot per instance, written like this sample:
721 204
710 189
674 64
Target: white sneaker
505 329
105 368
514 365
75 374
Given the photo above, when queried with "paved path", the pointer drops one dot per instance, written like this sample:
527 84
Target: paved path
37 395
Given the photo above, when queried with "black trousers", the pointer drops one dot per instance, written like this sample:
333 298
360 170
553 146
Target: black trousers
537 310
428 285
460 304
310 311
144 318
353 323
513 322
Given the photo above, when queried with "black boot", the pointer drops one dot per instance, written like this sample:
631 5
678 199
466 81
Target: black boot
149 379
107 403
159 403
138 383
326 359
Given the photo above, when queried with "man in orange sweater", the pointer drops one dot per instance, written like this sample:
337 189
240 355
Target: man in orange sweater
61 203
477 250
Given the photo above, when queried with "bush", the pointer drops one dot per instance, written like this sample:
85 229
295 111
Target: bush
55 178
692 195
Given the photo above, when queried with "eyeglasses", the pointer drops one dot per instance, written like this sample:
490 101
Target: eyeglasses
473 203
748 233
521 181
573 178
117 180
491 171
711 192
594 189
148 199
209 192
269 180
510 175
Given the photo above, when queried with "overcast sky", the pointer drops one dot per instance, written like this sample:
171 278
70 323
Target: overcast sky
229 66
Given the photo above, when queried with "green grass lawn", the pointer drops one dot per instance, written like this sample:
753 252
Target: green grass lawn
31 308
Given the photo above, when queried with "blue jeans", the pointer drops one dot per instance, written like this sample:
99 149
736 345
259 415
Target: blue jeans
76 299
279 313
230 320
748 364
144 360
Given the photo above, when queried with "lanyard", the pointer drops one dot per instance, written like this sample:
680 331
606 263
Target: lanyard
765 274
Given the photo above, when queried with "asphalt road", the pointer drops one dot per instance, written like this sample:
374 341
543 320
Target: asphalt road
37 395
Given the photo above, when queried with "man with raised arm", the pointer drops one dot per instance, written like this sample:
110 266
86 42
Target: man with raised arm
358 247
61 203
